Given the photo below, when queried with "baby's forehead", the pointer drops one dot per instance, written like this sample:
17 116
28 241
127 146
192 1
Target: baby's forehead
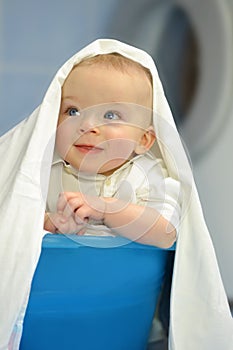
103 79
98 72
118 62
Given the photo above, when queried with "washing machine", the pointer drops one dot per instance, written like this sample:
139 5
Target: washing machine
192 44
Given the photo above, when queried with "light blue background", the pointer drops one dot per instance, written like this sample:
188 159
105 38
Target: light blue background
36 38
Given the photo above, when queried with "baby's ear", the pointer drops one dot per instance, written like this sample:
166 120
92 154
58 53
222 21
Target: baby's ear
146 142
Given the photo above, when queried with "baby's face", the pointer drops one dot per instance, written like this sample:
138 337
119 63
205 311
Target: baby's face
103 117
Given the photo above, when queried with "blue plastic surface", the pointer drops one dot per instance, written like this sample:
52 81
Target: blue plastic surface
86 296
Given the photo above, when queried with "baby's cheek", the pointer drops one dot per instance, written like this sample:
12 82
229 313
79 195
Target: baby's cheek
121 148
65 137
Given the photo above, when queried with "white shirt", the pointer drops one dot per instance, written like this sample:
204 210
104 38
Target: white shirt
142 180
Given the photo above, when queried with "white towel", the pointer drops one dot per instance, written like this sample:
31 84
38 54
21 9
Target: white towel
200 316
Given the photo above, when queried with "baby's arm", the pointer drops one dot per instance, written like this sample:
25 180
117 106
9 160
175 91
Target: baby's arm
135 222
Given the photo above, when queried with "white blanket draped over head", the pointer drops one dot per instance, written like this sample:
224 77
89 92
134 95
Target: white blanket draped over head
200 317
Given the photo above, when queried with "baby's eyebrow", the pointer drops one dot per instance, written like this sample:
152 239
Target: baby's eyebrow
69 101
68 98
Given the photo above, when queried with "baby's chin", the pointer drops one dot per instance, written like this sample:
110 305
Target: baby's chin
105 169
110 167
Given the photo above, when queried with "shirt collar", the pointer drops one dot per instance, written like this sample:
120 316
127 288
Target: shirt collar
57 159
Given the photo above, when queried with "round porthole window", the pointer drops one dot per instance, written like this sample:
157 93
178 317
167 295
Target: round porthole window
191 42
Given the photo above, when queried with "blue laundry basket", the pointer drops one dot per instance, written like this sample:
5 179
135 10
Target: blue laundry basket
93 293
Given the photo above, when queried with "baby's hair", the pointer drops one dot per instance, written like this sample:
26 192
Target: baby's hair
116 61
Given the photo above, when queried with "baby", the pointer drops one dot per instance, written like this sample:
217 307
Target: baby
118 168
102 171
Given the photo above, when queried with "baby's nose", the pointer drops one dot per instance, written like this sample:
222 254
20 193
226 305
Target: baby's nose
88 124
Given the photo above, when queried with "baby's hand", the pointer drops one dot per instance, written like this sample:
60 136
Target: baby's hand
58 223
80 207
49 223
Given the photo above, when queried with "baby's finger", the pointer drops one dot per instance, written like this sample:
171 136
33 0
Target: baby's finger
63 199
80 220
69 227
82 231
61 202
72 205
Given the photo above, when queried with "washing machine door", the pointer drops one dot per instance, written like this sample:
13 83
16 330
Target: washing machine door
191 42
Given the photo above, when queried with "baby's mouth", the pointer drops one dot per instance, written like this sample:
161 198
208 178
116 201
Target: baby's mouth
85 148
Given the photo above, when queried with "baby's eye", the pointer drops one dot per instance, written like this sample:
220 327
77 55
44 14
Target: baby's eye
110 115
73 112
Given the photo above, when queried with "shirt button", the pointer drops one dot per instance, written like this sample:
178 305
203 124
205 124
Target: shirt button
67 169
108 182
